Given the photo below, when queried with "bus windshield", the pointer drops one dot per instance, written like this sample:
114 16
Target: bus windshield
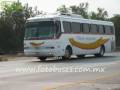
39 30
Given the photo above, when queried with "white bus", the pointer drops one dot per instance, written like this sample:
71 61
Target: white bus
63 35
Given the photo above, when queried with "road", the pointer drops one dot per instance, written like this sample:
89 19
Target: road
90 73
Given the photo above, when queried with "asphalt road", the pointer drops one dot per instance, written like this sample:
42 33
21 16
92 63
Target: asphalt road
90 73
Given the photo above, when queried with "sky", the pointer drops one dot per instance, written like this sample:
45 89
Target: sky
50 6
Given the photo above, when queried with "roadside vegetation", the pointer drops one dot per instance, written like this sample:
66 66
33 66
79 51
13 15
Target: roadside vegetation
14 15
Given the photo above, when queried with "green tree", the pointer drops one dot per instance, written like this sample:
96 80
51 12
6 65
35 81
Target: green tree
116 21
9 7
31 12
7 35
101 14
63 9
17 15
82 9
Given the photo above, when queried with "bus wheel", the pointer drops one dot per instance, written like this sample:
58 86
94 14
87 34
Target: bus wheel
42 58
68 53
101 52
80 56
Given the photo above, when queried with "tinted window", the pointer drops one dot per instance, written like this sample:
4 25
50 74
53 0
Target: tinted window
75 27
112 29
101 29
43 29
108 30
57 28
93 28
81 27
86 28
67 27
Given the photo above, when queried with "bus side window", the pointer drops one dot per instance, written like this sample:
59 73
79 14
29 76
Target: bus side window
85 28
67 27
75 27
81 27
101 29
94 28
108 30
112 29
58 28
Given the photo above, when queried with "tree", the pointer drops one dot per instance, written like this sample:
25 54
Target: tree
101 14
7 35
17 14
9 7
116 20
63 9
31 12
82 9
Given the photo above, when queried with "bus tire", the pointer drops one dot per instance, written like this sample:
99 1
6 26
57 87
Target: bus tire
101 52
68 53
42 58
81 56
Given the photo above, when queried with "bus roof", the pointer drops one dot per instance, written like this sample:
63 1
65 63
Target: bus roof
69 18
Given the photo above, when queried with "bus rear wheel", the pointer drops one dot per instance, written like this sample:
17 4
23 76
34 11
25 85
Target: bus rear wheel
101 52
42 58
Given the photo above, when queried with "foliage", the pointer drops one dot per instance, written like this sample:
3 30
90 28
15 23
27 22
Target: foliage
12 21
8 8
82 9
116 21
8 38
63 9
100 15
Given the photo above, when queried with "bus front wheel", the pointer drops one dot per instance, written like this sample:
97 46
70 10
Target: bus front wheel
68 53
42 58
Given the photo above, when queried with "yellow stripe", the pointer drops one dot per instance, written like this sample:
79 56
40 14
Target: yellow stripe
92 45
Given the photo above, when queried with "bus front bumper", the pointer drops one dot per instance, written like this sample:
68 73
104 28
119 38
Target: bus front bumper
48 53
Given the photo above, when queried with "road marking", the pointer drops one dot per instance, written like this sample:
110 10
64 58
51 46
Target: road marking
83 81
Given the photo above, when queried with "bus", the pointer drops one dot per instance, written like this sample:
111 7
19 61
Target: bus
63 35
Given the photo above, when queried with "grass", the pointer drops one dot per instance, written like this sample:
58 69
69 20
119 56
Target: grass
8 57
2 58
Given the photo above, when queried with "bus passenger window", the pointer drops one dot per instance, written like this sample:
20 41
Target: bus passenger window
101 29
81 27
58 28
75 27
85 28
108 30
67 27
94 28
112 29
